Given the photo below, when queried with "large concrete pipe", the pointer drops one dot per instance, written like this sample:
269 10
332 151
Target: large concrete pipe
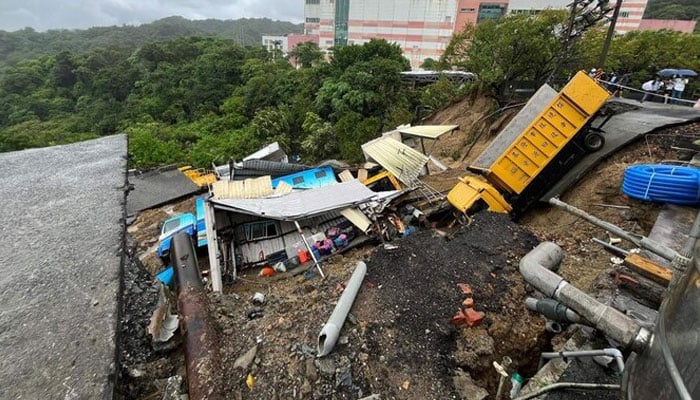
669 368
535 268
329 333
204 374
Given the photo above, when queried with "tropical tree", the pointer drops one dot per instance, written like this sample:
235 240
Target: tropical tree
306 54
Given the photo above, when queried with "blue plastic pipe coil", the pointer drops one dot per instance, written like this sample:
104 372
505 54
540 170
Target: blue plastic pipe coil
663 183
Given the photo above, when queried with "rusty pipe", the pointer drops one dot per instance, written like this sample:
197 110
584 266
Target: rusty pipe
204 374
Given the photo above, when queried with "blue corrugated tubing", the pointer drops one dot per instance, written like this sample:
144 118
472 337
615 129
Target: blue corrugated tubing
663 183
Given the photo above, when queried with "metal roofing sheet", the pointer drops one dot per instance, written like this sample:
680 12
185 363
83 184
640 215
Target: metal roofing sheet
402 161
428 131
301 204
247 189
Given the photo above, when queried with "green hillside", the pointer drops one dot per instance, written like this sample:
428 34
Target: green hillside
674 9
27 43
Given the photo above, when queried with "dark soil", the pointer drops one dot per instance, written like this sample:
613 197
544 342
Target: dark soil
417 290
143 371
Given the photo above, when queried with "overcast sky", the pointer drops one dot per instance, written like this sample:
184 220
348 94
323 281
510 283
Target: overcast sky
78 14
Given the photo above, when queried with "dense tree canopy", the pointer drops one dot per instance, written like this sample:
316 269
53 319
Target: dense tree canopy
531 48
673 9
203 99
27 43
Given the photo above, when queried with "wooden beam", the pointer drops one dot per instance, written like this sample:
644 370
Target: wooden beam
649 269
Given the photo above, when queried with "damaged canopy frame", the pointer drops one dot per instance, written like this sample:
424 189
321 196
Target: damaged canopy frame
324 204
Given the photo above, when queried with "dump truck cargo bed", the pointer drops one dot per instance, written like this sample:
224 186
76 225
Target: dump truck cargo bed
548 134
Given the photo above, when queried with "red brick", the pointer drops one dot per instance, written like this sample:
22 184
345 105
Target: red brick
473 317
465 288
459 318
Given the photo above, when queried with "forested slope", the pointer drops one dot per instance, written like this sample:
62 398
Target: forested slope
27 43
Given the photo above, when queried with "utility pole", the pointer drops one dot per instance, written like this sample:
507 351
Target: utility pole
611 32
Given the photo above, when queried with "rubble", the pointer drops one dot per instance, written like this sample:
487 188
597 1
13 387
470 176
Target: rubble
398 342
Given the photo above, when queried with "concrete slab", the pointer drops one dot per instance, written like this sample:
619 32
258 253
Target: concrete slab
515 127
621 130
60 266
672 228
157 187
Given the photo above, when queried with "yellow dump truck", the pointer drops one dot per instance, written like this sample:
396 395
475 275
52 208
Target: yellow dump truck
554 141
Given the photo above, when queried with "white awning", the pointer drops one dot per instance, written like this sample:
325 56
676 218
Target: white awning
428 131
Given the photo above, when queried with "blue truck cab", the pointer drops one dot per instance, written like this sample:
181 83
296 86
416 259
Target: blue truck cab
171 226
201 226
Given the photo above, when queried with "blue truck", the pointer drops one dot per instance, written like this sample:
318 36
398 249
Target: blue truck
193 226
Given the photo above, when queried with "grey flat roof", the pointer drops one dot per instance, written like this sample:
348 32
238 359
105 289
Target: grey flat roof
158 187
303 204
60 264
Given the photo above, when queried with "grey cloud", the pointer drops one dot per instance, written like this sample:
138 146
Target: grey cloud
79 14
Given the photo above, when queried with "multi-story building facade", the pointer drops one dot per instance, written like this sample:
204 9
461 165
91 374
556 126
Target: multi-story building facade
630 17
423 28
286 43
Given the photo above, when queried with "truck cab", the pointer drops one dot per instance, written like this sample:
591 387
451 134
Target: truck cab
179 223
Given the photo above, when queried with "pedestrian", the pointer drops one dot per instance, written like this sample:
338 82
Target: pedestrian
651 87
624 80
612 83
678 87
668 89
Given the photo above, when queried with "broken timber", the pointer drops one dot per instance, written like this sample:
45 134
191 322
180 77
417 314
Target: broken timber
204 374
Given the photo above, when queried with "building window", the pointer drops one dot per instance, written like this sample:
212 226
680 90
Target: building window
448 18
313 1
320 174
312 20
260 230
298 180
624 14
467 10
490 11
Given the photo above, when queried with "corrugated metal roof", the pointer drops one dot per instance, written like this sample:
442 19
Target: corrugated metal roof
301 204
247 189
428 131
402 161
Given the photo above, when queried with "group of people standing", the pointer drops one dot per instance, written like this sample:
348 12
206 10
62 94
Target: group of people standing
668 88
616 83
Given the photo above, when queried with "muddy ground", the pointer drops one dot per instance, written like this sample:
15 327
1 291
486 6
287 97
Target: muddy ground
398 341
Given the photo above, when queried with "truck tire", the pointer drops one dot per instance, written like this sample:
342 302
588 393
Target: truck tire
593 141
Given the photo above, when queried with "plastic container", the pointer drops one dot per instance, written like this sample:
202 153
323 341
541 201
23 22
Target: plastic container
317 254
516 383
303 256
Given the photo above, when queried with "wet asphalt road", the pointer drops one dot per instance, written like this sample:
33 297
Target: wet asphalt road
60 260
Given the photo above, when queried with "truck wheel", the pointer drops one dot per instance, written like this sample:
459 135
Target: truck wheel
593 141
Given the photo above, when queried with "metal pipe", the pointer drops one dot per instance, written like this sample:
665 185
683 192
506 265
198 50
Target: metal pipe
311 252
569 385
680 269
552 309
535 266
618 251
611 352
204 374
640 241
552 327
329 334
